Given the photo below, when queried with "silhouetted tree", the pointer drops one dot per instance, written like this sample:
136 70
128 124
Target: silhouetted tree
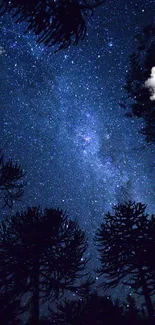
95 309
122 242
11 181
57 22
69 312
138 96
41 253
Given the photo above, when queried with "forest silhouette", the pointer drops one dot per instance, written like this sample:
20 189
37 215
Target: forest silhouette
43 252
43 255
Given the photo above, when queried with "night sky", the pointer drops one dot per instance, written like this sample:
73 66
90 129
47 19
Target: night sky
61 119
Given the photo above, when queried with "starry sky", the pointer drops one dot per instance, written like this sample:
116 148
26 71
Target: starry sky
61 119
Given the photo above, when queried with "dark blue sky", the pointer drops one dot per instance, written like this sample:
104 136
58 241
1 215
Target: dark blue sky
60 117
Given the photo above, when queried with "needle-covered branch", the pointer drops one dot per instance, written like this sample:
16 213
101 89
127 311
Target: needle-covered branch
60 22
11 181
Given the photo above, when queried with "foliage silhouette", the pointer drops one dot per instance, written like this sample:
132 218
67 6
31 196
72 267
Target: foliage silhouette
60 22
95 309
11 182
138 96
133 314
41 254
124 241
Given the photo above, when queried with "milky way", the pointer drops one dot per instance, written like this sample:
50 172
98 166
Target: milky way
62 121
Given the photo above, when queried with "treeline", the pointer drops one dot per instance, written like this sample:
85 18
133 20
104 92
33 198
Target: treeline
98 310
43 254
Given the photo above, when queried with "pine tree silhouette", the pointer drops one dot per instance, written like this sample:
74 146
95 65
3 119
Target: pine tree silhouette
41 254
123 242
95 309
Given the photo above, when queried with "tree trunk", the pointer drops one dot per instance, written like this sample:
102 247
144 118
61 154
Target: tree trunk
35 293
146 293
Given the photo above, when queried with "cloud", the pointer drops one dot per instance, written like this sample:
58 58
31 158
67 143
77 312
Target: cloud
150 83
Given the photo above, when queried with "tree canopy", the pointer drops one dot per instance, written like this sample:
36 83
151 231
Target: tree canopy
98 310
56 22
41 254
124 241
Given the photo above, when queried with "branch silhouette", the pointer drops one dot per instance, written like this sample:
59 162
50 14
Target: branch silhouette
11 182
60 22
